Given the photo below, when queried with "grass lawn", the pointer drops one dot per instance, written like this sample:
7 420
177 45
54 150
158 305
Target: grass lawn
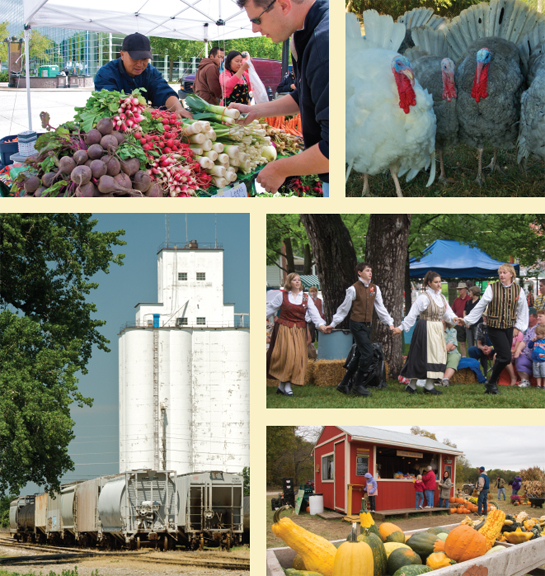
339 529
461 166
455 396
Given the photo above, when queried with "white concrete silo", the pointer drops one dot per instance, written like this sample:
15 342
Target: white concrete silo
184 372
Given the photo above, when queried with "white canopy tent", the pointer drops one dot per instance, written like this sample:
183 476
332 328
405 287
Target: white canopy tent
203 20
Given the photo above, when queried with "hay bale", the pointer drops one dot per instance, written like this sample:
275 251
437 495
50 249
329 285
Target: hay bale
464 376
328 372
309 376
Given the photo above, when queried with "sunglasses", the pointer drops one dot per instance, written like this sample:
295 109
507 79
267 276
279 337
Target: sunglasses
258 19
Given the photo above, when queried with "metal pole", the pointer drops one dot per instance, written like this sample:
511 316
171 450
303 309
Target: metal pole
110 47
27 73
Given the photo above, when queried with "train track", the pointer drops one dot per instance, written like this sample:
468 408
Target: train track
181 559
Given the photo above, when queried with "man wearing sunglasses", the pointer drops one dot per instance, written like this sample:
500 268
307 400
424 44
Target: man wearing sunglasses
307 22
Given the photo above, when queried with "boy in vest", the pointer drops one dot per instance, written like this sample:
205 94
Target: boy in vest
361 298
507 316
483 485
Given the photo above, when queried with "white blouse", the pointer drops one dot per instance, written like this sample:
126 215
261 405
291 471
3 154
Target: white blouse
311 315
421 304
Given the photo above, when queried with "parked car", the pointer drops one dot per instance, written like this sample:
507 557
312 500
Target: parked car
269 71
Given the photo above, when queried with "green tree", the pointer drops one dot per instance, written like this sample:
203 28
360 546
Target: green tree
246 480
259 47
417 431
47 333
39 46
4 33
448 8
176 49
4 510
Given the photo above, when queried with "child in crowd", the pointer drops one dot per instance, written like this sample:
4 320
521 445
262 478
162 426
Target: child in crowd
419 489
537 345
371 488
511 366
453 356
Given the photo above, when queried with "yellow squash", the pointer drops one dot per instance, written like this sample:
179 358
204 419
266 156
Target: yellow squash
354 558
318 554
492 527
517 536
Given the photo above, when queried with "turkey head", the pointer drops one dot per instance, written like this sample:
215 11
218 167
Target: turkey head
404 77
481 75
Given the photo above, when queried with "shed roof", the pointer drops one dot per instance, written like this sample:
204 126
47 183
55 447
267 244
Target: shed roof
370 433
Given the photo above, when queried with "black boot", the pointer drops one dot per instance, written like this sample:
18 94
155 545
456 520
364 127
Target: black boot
345 385
491 388
357 387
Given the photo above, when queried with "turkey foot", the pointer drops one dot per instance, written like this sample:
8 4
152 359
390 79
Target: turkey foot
365 185
480 179
494 165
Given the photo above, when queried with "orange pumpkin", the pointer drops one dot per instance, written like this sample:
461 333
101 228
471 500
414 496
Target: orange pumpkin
391 533
465 543
439 546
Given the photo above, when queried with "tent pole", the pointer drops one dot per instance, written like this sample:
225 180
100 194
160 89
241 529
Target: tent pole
27 74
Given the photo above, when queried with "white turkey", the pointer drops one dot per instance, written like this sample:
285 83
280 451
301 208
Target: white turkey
434 70
489 76
532 115
390 123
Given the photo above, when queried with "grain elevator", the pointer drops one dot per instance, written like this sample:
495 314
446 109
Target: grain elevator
184 370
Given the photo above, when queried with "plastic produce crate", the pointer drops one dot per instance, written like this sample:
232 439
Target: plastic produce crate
7 149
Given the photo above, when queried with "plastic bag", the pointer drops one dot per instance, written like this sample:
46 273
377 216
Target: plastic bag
259 91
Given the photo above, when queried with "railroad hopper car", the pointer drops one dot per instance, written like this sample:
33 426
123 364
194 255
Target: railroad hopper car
133 508
21 517
140 507
210 510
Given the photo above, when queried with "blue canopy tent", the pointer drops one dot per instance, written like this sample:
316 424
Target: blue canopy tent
451 259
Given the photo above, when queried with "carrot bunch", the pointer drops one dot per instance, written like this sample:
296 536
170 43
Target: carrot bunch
291 126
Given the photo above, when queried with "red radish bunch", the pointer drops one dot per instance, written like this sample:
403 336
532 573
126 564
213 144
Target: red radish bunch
129 114
170 160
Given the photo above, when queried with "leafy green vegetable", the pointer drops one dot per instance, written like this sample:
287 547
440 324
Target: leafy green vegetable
102 105
132 150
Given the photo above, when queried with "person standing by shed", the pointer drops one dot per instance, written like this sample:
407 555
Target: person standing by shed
430 484
483 486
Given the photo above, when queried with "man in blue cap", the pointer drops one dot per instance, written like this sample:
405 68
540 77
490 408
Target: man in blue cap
483 485
133 70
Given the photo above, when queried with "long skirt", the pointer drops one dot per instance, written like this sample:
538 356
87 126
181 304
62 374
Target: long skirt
288 360
427 353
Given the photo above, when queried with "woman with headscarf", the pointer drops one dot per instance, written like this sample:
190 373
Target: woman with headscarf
427 358
235 80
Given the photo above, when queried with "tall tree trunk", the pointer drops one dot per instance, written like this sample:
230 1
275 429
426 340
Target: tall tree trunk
290 262
334 256
408 289
308 260
386 252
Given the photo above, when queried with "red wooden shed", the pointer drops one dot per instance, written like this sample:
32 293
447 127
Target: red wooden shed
344 454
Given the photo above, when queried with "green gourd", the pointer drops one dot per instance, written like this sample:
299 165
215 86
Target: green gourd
379 553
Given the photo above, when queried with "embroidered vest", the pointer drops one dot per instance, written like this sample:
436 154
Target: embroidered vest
433 313
293 314
502 311
363 305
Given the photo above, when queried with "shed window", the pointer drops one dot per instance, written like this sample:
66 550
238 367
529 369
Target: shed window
201 275
181 322
327 467
201 321
182 276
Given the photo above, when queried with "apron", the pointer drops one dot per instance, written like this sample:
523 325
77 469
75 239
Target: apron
240 94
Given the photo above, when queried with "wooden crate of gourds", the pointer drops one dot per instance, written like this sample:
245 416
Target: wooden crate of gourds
385 550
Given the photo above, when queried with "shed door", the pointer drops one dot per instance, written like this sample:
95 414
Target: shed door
340 480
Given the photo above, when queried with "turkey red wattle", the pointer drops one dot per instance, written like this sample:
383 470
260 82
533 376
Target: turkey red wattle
449 88
407 96
480 83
